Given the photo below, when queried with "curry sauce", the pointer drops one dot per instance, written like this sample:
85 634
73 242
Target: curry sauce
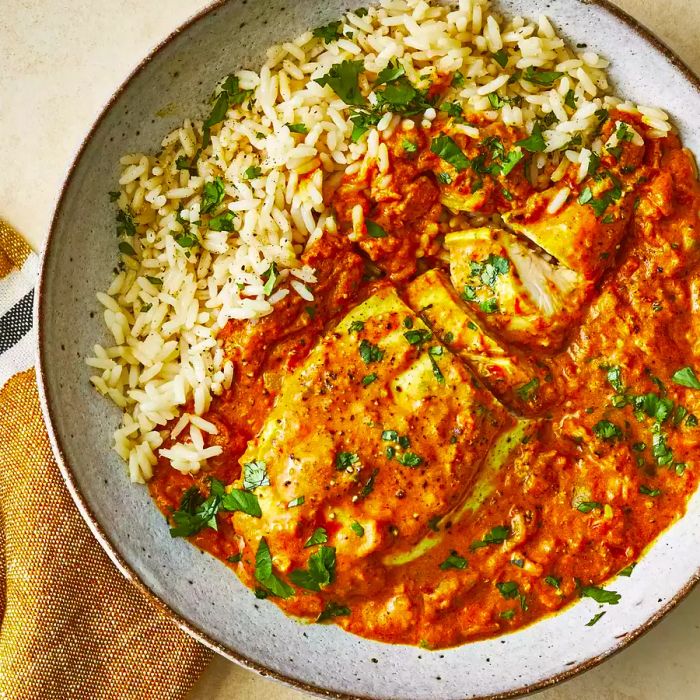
489 408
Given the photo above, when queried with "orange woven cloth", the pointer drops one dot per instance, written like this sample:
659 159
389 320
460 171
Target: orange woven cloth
71 627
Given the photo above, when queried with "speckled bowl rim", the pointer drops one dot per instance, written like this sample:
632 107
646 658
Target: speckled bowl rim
103 538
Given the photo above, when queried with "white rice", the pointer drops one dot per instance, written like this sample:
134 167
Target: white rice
166 361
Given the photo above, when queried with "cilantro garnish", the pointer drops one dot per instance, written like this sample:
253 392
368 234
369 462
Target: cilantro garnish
369 352
453 561
333 610
600 595
444 147
342 79
496 535
686 377
329 32
264 574
319 536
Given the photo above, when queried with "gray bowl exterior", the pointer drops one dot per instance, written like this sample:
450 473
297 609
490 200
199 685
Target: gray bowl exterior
202 594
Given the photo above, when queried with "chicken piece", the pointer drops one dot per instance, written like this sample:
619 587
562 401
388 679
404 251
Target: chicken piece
513 290
378 410
513 377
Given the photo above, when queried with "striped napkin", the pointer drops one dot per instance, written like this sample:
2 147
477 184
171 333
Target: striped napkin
71 627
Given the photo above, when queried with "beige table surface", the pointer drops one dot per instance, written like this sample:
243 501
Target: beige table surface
60 60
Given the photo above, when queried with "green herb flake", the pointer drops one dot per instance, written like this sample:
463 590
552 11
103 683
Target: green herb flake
535 142
298 128
588 506
252 173
595 619
453 561
345 460
606 430
357 528
368 379
409 146
272 274
409 459
553 581
627 571
686 377
342 79
496 535
374 230
319 536
223 222
369 352
445 148
234 558
507 614
298 501
212 195
418 336
508 589
329 32
570 99
528 391
541 77
264 574
501 57
600 595
333 609
648 491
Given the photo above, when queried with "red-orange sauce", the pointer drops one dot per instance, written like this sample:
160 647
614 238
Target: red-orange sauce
642 319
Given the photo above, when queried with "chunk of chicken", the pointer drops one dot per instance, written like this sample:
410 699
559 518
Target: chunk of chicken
514 290
515 379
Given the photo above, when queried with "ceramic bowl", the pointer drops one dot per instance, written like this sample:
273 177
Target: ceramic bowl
199 592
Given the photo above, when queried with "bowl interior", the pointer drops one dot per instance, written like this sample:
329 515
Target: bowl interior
207 598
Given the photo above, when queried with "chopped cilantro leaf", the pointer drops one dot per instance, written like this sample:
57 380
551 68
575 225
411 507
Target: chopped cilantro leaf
357 528
508 589
409 459
528 391
223 222
553 581
418 336
252 172
344 460
272 274
298 128
627 571
686 377
369 352
329 32
606 430
535 142
588 506
501 57
319 536
342 79
333 609
496 535
453 561
444 147
595 619
374 230
600 595
648 491
541 77
368 379
264 575
212 194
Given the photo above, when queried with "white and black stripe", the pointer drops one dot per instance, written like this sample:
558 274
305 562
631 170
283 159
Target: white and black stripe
17 322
